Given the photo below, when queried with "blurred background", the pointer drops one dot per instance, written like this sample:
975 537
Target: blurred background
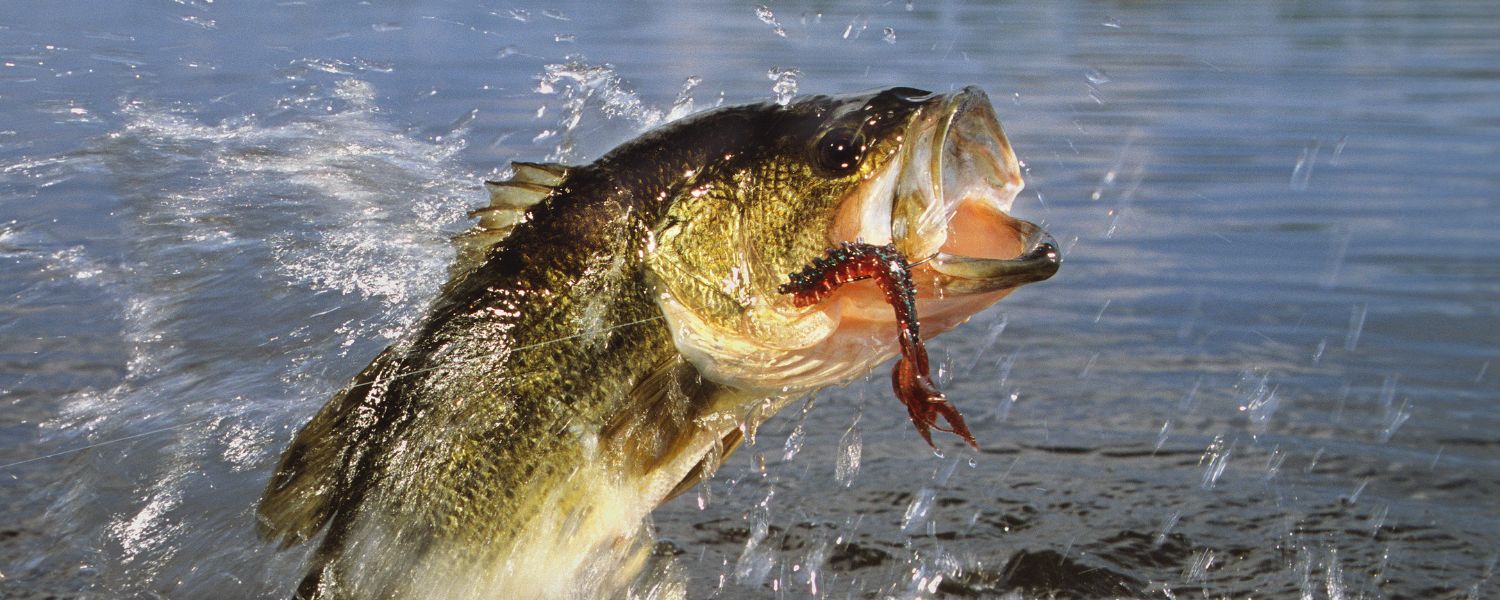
1265 369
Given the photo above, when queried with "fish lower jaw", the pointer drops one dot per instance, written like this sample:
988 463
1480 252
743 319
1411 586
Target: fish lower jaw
979 228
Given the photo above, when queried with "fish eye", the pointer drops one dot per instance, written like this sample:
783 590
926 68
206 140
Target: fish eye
839 151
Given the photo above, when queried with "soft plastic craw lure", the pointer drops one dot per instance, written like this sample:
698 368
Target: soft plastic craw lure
854 261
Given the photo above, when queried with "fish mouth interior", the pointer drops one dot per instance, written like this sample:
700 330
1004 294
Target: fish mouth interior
952 201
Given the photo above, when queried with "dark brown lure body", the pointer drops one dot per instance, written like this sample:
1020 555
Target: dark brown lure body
855 261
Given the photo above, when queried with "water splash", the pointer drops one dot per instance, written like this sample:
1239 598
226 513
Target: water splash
221 223
1167 523
1357 315
1202 562
847 462
583 87
1215 459
1258 400
1302 171
1394 419
682 106
1333 576
757 558
1274 461
1005 405
1336 258
856 26
990 337
784 86
918 510
765 15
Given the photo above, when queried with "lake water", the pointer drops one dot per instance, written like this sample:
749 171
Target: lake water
1267 367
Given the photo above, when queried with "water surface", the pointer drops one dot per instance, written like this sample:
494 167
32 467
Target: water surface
1266 367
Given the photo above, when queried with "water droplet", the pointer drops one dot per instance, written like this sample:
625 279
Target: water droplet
847 462
785 86
1302 171
996 328
856 26
1356 325
1006 403
1198 569
756 560
1103 308
918 510
1215 459
1313 462
1088 366
888 34
793 443
765 15
683 105
1097 76
1377 519
1111 22
1333 576
1167 523
1394 419
1353 497
1274 462
1259 401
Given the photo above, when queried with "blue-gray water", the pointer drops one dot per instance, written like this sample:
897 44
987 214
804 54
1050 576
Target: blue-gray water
1268 366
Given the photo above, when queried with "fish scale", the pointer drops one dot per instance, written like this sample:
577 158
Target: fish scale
609 335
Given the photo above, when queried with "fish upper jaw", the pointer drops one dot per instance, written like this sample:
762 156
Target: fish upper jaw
946 200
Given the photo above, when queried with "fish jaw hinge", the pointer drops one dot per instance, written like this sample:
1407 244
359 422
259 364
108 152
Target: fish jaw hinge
854 261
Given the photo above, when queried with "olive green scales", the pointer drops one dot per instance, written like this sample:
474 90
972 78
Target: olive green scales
611 331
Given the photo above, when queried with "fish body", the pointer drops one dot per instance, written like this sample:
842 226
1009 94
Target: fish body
611 331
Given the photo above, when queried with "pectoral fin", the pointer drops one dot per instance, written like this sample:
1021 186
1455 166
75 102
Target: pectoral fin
708 465
663 428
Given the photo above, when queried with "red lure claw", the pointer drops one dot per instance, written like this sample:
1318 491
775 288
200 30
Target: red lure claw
853 261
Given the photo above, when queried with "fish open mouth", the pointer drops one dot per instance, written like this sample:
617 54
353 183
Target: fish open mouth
946 204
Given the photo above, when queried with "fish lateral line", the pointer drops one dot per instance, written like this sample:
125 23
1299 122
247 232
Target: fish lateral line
462 361
911 377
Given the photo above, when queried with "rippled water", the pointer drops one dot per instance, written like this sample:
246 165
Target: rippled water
1267 367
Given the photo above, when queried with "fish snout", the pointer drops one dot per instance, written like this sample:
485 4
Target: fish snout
952 205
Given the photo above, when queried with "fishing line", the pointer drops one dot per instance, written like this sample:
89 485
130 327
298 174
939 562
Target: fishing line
517 349
103 443
396 376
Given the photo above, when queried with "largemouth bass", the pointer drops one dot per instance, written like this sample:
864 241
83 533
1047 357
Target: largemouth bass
610 332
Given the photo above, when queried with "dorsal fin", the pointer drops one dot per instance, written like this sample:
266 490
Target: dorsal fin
514 194
543 173
529 183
